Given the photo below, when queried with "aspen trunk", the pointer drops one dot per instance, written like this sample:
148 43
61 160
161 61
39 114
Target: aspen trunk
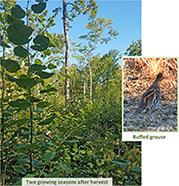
67 52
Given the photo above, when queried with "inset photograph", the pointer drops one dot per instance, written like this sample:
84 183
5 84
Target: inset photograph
150 94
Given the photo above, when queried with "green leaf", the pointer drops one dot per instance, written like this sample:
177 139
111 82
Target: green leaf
18 122
11 78
38 62
37 164
38 110
34 68
48 120
15 22
43 104
55 174
33 146
28 176
34 99
38 8
67 75
40 39
48 34
47 52
72 141
11 65
52 89
51 44
19 182
24 161
64 167
20 51
20 146
136 168
20 103
86 158
3 44
51 66
41 47
121 162
48 156
17 154
20 170
18 12
41 43
26 82
19 35
59 137
44 75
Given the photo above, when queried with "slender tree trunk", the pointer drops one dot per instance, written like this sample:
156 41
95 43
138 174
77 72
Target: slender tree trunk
2 118
67 53
74 79
91 79
57 85
30 94
84 88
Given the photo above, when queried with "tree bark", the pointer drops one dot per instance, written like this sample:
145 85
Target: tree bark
91 78
67 52
84 88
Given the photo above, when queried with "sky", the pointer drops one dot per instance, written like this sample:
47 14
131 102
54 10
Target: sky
126 16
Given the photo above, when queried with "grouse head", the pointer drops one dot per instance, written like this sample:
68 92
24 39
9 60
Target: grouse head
159 77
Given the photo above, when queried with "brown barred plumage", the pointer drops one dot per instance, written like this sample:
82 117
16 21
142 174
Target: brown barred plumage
151 97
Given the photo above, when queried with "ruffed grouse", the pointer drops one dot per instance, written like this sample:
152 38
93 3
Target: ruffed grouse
151 97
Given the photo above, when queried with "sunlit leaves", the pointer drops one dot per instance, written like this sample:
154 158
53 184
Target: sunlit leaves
18 12
38 8
10 65
51 66
38 62
20 51
47 52
135 49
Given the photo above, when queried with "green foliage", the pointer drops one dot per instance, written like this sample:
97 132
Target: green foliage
17 12
17 32
38 8
135 49
10 65
40 136
20 51
41 43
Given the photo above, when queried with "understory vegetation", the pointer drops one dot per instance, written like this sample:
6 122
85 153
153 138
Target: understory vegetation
60 119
